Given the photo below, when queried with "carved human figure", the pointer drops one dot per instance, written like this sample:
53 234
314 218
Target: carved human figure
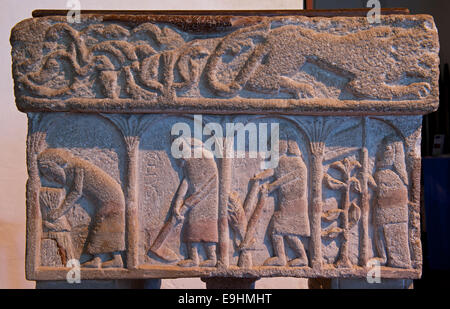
198 196
391 207
290 222
83 179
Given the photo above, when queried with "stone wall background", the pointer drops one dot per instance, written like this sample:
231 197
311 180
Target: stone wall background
13 125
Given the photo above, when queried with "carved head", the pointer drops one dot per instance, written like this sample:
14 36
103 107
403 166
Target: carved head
293 148
391 155
283 146
288 144
52 163
188 147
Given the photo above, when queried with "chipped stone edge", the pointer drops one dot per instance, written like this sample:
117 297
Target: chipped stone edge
307 107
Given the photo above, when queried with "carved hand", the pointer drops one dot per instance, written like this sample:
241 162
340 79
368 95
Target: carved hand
263 175
49 225
265 188
75 193
179 201
178 215
54 214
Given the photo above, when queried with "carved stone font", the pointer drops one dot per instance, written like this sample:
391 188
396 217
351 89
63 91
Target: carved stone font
275 146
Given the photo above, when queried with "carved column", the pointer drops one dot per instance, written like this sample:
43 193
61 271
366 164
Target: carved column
35 141
317 151
224 189
132 143
131 127
364 245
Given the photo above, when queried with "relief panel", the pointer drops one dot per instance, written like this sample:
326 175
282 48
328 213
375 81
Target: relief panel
111 192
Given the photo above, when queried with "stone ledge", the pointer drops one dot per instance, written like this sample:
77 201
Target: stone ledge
323 107
172 272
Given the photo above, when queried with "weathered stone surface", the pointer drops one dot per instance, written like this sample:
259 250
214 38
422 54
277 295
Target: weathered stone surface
340 190
310 216
280 64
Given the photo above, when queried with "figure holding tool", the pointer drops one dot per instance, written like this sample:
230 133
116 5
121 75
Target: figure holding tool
198 212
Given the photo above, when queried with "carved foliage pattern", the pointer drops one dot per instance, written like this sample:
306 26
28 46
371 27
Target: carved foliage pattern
159 62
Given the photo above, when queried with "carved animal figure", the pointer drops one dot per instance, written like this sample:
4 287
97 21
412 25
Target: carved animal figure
281 52
83 179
